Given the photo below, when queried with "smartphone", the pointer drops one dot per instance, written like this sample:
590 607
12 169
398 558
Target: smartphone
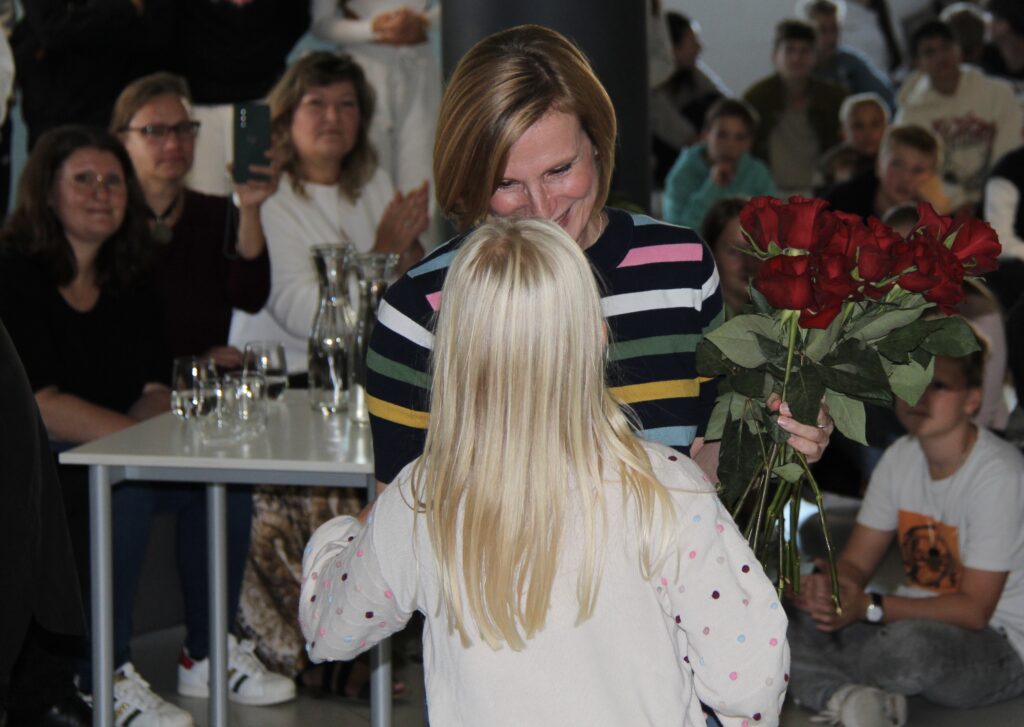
251 140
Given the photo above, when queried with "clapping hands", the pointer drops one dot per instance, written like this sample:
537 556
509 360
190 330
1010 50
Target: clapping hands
400 27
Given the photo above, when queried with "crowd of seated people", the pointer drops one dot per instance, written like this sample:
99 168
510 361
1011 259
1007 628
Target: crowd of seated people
127 219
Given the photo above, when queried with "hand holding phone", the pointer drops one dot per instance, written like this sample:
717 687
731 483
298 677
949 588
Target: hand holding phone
251 141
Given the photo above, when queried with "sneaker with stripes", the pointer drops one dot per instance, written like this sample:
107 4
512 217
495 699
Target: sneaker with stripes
137 705
249 682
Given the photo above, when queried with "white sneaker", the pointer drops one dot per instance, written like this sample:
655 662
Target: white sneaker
136 704
249 682
856 705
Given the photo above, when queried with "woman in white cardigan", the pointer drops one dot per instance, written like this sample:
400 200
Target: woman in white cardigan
331 190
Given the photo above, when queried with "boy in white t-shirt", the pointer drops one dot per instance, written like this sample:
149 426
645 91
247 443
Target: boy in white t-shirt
953 496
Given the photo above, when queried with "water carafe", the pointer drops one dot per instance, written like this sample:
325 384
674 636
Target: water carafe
373 270
331 338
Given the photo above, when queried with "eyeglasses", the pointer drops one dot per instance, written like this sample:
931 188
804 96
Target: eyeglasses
159 132
88 182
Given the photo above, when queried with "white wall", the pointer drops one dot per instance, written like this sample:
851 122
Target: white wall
738 33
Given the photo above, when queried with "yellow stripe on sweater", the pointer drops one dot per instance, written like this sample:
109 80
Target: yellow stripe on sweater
674 389
397 414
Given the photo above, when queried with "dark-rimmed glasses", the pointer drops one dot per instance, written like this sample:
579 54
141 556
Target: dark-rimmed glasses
159 132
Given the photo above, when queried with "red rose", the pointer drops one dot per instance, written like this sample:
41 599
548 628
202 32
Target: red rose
936 225
938 273
819 318
804 224
843 235
760 218
785 281
833 282
976 242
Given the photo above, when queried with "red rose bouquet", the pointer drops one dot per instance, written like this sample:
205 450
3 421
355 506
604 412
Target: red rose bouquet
836 317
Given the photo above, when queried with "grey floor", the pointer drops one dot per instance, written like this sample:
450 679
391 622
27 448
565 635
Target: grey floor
156 655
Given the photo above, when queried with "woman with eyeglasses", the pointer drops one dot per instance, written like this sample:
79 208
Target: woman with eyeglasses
208 258
332 189
77 303
210 255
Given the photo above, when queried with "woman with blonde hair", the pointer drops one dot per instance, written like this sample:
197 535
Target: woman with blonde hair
528 547
331 190
527 130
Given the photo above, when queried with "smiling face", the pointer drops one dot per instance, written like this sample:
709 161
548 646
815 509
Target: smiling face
946 405
901 171
167 159
551 174
90 196
864 128
325 124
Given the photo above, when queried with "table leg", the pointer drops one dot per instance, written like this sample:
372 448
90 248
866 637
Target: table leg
102 596
217 553
380 685
380 662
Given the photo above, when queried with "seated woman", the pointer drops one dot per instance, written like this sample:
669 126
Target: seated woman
331 190
204 264
89 331
524 572
210 257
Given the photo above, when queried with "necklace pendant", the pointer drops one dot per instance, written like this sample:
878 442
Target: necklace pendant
162 233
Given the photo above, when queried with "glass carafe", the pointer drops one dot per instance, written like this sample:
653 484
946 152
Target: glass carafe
373 270
331 337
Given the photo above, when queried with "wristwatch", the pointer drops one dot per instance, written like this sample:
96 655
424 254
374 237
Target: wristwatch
874 613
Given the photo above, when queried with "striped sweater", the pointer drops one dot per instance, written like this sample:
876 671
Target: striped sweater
659 296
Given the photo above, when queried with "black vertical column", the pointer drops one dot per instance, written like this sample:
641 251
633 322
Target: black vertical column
613 35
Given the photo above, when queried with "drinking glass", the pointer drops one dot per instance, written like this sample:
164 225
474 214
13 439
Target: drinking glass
187 373
246 396
267 358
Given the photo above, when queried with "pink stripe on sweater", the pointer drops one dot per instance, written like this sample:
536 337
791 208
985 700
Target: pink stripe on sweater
684 252
434 299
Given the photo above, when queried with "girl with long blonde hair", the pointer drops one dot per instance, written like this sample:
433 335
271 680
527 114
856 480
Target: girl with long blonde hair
569 572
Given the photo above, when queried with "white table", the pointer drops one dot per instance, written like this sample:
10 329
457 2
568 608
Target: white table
300 447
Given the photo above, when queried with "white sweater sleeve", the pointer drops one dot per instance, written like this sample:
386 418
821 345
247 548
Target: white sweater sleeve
347 603
730 625
1002 199
293 281
330 25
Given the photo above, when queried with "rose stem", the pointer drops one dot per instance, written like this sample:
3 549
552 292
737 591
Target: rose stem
829 550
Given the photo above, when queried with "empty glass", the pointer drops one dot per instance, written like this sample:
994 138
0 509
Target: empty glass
187 374
267 358
232 409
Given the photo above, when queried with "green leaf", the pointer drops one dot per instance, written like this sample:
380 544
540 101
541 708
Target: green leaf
856 370
773 351
908 381
921 356
749 383
804 393
761 304
899 343
741 457
735 339
848 415
871 327
719 415
710 359
791 472
952 337
820 341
